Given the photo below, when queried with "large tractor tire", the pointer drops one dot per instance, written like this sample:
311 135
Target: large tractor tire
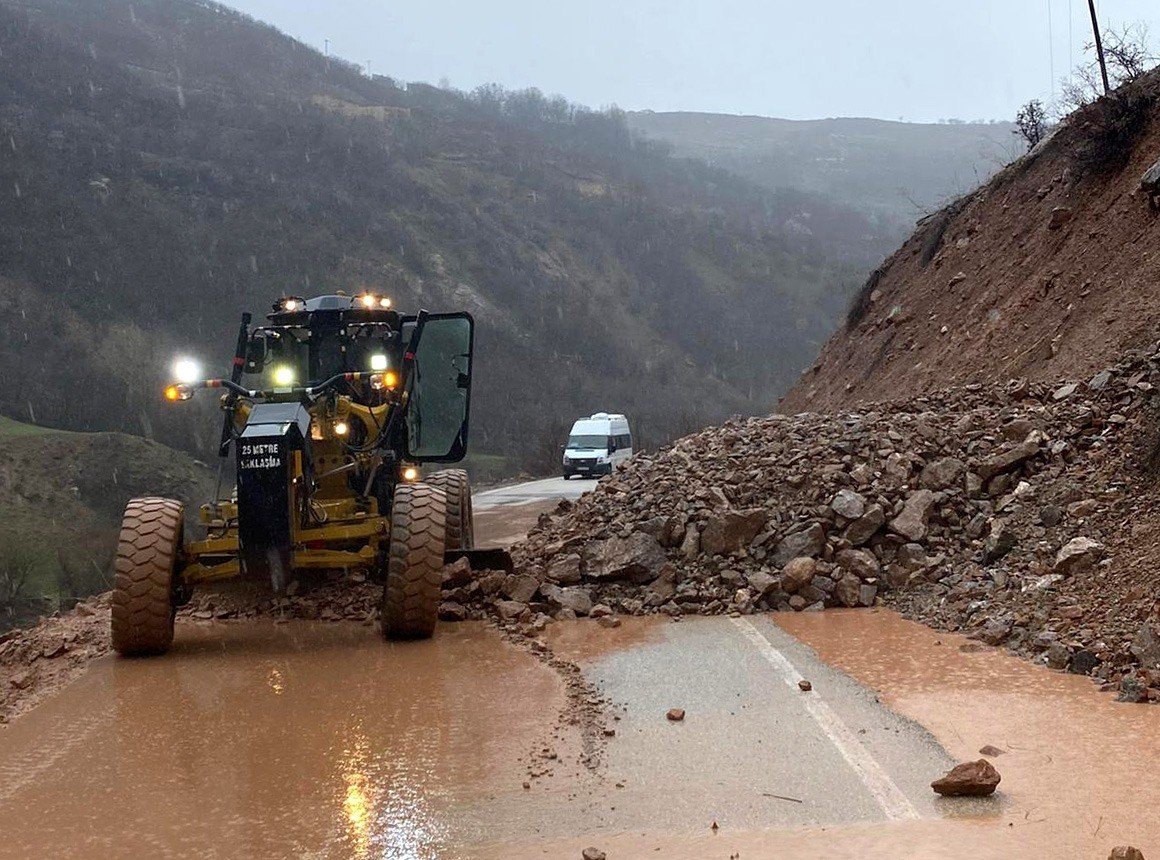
146 572
415 562
460 518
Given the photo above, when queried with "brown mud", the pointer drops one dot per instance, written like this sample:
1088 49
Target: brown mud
273 740
37 662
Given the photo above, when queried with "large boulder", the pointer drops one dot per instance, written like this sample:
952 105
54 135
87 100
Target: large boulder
866 526
810 542
860 563
972 779
1151 179
565 569
1000 541
576 599
521 588
637 558
1146 646
798 573
761 583
912 556
732 530
691 544
911 523
942 473
1077 555
848 504
1006 461
849 590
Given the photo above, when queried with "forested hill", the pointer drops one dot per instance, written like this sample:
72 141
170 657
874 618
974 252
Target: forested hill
167 164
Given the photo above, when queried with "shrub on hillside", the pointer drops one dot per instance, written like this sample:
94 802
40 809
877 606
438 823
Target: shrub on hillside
1110 127
860 305
18 564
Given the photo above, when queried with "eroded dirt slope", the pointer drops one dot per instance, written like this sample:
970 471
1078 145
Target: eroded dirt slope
1049 270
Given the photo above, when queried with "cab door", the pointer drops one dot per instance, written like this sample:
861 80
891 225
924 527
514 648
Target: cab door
440 401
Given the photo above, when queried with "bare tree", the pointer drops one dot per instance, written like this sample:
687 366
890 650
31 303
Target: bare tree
1128 56
1128 53
16 568
1031 123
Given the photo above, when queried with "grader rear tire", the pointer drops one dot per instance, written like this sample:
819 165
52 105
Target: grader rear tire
460 517
415 562
148 553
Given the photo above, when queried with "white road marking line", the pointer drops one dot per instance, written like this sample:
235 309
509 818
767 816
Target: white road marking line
889 796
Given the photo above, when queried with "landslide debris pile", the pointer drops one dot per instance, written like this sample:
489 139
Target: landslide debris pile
997 510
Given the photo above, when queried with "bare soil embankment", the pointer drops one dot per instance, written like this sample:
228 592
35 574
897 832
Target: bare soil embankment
1048 271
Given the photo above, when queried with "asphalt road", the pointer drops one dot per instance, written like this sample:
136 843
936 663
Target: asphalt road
548 489
320 740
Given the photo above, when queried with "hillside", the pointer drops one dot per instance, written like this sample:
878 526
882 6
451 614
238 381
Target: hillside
168 164
1049 270
893 172
61 499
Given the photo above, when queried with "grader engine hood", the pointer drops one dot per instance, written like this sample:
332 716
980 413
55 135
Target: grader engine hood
275 437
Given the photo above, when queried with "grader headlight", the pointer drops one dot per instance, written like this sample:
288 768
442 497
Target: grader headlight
283 376
186 371
410 474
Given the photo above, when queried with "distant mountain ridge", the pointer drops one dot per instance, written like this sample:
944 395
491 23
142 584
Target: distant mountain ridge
894 172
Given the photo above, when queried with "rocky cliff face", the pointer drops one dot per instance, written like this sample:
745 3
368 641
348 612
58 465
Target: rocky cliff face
1048 270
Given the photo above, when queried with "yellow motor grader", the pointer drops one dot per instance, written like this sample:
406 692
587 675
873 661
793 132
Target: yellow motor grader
351 398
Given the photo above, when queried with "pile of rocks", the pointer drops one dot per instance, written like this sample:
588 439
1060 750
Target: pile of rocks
989 509
43 657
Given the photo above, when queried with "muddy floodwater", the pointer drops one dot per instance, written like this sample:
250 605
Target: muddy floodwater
320 740
270 740
1081 772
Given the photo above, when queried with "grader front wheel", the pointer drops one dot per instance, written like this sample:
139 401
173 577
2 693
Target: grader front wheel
460 518
148 551
415 562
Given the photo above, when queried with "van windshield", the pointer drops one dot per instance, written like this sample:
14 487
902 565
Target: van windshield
588 443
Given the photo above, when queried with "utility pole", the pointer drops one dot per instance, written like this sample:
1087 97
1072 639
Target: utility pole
1099 46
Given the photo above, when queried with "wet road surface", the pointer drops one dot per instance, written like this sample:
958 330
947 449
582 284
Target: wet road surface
548 489
320 740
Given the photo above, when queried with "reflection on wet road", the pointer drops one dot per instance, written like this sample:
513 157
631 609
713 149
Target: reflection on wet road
532 491
276 740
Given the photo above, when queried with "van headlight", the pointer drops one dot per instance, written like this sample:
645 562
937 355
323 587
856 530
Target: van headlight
607 458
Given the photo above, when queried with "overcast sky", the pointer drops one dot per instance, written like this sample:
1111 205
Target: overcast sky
921 60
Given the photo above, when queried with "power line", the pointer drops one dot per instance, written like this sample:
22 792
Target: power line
1070 42
1051 48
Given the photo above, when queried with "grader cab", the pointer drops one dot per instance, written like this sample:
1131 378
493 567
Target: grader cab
351 400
